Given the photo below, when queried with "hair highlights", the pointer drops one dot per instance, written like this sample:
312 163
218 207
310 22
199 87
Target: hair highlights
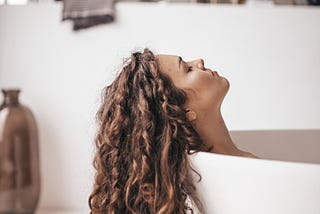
142 144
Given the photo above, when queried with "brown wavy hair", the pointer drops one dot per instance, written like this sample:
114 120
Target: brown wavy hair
142 144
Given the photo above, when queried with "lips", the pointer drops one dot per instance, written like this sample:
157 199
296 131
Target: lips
214 74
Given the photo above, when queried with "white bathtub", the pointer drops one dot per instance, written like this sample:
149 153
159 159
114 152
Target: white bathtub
285 181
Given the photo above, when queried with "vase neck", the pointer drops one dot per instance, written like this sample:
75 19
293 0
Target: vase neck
11 96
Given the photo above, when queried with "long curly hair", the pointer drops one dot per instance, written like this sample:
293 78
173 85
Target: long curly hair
142 144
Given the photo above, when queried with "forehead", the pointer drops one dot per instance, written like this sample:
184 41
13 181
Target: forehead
165 58
167 63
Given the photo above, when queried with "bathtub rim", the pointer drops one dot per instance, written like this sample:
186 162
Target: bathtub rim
254 160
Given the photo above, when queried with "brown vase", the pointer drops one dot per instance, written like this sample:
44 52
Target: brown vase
19 156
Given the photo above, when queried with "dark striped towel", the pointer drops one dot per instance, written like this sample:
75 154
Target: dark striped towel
88 13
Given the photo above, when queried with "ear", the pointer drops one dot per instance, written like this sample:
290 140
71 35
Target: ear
191 115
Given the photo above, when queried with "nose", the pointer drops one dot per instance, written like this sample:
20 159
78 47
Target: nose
200 63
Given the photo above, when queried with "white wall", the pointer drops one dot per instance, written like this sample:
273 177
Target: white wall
271 56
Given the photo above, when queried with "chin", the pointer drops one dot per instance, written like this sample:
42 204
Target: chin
226 84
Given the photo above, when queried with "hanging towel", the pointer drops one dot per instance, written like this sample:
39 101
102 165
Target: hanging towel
88 13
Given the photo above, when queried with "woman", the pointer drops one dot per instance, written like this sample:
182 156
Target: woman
157 111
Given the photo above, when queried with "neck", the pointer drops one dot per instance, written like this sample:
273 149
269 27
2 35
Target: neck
213 131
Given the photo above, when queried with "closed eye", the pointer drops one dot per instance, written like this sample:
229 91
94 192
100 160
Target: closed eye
189 68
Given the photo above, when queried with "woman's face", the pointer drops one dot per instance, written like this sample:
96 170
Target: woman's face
205 89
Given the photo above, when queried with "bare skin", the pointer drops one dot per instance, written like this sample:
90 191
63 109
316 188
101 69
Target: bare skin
205 91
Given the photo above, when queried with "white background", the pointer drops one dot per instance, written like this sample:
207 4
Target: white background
271 56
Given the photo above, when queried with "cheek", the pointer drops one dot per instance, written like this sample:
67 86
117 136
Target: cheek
201 81
208 90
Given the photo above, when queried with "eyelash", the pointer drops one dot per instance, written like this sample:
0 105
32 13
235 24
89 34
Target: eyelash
189 69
